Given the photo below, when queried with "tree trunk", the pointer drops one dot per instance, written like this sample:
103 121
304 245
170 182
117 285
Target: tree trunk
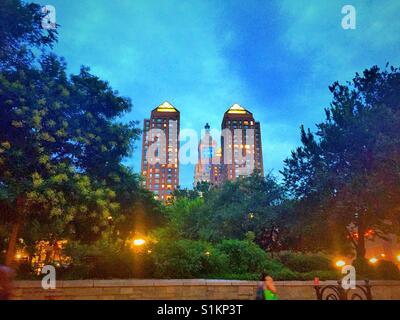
12 241
361 245
361 227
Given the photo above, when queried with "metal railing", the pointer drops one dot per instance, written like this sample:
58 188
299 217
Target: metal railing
337 292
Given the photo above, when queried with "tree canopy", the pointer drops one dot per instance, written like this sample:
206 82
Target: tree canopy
346 175
248 204
61 142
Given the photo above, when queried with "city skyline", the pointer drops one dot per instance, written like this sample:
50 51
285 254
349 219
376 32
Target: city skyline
277 57
218 156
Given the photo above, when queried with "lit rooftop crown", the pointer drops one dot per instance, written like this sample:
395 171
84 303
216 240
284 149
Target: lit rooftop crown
166 107
237 109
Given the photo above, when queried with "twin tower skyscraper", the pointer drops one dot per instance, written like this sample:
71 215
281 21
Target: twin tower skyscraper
239 152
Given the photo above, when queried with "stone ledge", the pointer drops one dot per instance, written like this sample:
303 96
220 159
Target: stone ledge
182 282
77 284
28 284
193 289
194 282
215 282
244 283
125 283
172 282
384 282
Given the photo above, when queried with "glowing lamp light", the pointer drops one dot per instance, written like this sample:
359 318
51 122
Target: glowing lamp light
207 253
398 258
139 242
18 256
373 260
340 263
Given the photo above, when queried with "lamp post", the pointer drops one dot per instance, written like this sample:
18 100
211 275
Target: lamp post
138 245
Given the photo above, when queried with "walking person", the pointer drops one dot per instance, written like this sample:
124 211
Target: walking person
6 282
266 290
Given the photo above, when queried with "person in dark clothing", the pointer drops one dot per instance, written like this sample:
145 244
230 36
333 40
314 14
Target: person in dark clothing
6 282
266 290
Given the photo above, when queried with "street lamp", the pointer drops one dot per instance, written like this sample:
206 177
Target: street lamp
139 242
340 263
373 260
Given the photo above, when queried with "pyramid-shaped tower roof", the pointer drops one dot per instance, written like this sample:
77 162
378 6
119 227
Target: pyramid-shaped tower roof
166 107
237 109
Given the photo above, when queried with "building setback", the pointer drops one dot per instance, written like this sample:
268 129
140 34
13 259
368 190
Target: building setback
241 143
160 149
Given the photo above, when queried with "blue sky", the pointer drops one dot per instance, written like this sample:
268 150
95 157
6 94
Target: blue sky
276 58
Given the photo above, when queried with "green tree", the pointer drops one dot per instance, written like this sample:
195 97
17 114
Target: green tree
60 146
185 193
346 175
203 188
187 259
183 218
138 210
20 32
237 207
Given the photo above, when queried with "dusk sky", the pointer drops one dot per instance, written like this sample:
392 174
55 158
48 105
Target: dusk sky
275 58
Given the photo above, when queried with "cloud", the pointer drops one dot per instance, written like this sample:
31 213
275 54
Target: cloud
314 30
276 58
153 51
